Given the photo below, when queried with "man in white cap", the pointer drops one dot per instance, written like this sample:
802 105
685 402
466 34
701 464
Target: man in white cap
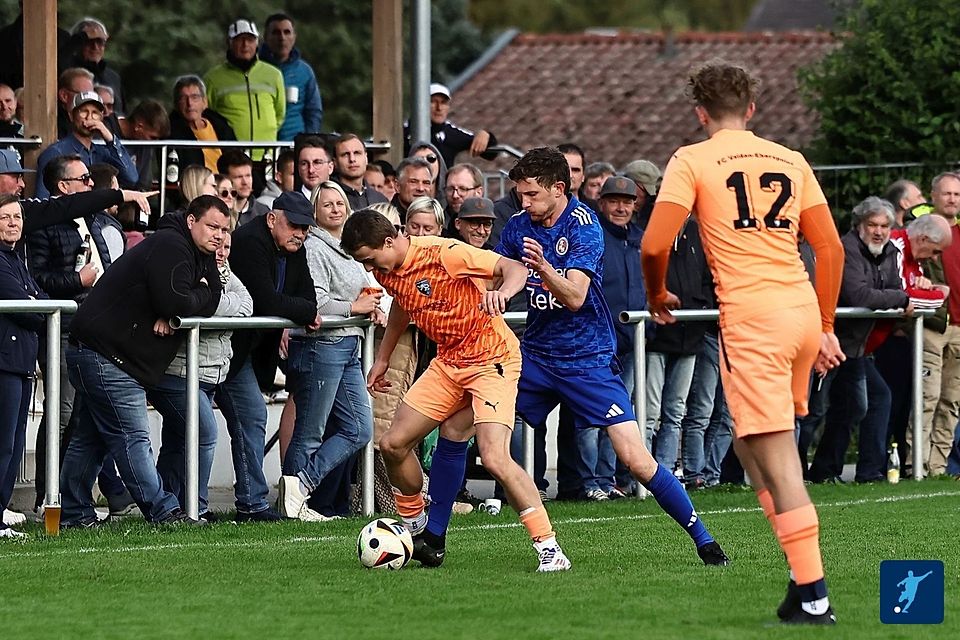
248 92
448 138
92 140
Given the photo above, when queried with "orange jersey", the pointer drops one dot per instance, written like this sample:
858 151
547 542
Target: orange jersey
747 194
438 286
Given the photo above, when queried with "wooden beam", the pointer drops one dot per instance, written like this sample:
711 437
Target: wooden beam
39 77
388 75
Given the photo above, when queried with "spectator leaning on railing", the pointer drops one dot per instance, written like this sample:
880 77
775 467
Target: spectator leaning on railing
269 259
121 344
856 392
18 352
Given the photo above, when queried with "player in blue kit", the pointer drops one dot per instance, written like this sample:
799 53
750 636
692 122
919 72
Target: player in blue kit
569 344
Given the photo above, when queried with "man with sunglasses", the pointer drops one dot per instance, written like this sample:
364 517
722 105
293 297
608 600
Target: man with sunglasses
92 140
67 260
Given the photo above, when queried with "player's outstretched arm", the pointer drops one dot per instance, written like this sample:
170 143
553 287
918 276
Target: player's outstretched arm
570 291
397 323
510 276
666 221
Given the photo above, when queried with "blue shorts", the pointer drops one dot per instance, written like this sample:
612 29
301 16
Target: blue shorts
595 396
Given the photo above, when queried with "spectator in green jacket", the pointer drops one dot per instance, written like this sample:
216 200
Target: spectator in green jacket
248 92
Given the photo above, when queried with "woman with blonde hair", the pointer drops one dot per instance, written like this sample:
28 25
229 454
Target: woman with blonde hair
425 217
324 373
196 180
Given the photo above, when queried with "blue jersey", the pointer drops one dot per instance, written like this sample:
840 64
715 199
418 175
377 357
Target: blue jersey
556 336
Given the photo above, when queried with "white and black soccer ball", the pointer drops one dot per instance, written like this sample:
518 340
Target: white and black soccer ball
384 544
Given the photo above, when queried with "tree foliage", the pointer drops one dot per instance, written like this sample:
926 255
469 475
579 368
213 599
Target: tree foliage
152 42
891 92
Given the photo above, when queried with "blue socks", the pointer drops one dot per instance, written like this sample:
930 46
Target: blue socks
446 476
673 499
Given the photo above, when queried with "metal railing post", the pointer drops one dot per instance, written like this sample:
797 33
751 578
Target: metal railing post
527 441
51 409
918 443
367 470
640 387
193 424
163 179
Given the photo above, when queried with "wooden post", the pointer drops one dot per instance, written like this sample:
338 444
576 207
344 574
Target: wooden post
388 76
39 77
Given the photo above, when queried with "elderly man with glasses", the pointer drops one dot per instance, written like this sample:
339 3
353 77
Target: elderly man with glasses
89 38
87 123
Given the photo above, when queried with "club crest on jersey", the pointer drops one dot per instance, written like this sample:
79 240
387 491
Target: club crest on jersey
562 246
423 286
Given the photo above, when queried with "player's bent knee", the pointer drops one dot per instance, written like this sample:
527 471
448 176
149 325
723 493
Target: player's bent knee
393 448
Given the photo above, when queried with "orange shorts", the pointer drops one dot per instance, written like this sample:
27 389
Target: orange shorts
443 390
765 364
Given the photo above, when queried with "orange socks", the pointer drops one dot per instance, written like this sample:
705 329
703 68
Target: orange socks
769 512
409 506
798 531
537 523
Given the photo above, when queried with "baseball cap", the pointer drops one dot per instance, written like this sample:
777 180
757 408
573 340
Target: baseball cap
477 208
619 186
297 208
438 89
84 97
644 173
241 27
10 163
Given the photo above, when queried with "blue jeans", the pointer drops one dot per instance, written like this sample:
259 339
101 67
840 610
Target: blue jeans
668 384
169 398
113 418
857 395
707 426
806 426
326 380
240 401
14 402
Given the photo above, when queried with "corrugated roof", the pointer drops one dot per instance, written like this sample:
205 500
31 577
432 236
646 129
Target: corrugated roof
621 97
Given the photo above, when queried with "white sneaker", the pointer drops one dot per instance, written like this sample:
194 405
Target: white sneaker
309 515
292 498
10 534
552 557
597 495
13 518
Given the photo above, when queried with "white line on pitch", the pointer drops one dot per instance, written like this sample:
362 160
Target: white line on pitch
500 525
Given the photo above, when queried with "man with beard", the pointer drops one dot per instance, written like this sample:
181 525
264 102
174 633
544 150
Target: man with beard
856 391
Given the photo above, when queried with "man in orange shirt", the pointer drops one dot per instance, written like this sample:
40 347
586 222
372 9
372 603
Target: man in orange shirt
437 283
751 198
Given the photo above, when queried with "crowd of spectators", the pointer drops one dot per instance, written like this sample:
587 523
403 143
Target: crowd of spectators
250 235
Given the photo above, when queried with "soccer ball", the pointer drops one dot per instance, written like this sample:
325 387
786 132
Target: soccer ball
384 544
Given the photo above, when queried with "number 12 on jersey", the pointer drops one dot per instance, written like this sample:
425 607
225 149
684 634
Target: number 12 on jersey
737 182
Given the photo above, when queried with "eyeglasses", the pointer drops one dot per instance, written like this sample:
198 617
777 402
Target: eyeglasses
228 192
314 163
96 42
486 224
85 179
430 158
453 189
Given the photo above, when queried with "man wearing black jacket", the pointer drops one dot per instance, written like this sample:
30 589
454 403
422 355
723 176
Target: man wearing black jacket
672 349
269 259
121 342
855 392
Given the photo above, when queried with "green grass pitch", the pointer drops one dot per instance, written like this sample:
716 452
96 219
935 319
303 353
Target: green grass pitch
635 575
